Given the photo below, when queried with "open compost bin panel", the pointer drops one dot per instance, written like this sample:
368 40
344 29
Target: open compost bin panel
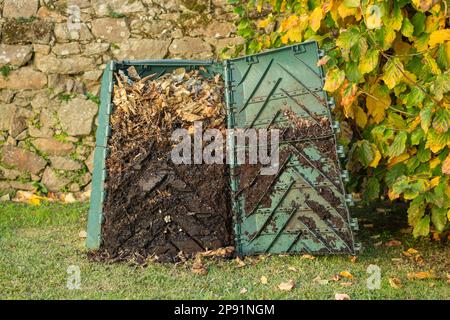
123 221
303 207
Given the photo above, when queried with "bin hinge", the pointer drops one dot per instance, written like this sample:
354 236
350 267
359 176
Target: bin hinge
354 224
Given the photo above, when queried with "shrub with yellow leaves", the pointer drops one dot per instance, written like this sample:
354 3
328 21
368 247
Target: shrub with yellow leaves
388 67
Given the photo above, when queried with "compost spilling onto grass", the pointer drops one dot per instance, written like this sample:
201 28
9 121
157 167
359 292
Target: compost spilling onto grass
153 207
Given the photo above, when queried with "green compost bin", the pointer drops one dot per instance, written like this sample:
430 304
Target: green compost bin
299 216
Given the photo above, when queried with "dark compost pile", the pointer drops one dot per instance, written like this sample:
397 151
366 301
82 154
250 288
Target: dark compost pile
297 135
155 209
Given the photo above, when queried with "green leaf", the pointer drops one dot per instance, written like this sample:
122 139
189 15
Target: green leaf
392 72
352 72
422 228
407 28
418 22
425 117
366 152
348 38
394 173
369 61
417 136
423 154
441 121
442 59
412 165
398 146
395 21
414 97
385 36
372 189
416 211
359 49
439 218
436 141
410 187
441 85
334 79
352 3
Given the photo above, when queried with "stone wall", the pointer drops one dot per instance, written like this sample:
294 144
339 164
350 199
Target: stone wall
52 54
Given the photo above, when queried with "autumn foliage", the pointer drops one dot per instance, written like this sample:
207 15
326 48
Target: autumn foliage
388 67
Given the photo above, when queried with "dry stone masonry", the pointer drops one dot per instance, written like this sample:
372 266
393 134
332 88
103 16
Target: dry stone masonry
52 53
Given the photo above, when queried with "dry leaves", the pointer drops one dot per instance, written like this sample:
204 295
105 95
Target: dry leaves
420 275
307 256
414 254
263 279
393 243
341 296
154 108
287 286
346 284
198 266
30 198
410 252
82 234
346 274
240 263
335 278
378 244
395 283
225 252
243 291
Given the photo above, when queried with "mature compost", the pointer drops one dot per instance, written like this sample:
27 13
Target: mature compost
153 207
297 136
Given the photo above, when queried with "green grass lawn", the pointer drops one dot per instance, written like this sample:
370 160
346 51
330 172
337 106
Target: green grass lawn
37 244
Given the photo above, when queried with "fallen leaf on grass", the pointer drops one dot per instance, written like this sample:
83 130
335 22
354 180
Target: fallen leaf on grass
335 278
346 274
436 236
307 256
395 283
292 269
239 262
448 278
378 244
320 281
263 279
243 291
353 259
393 243
67 198
221 252
419 260
346 284
198 267
341 296
30 198
82 234
287 286
375 236
419 275
410 252
396 260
